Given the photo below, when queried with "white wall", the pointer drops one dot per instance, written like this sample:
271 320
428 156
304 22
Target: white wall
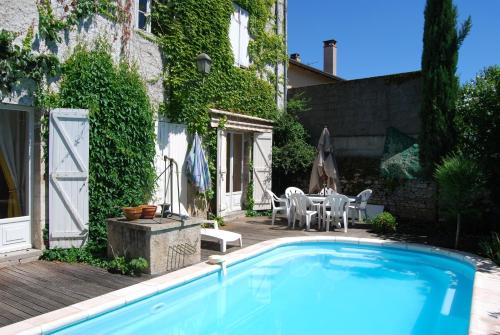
172 141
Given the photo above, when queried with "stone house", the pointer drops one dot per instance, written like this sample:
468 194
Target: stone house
22 146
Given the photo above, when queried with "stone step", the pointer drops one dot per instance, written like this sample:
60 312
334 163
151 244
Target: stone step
20 256
231 216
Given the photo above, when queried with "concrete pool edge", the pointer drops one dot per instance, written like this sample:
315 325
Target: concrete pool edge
484 306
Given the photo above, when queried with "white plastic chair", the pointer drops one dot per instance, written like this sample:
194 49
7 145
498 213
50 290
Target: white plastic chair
335 208
288 192
293 190
300 203
360 205
275 200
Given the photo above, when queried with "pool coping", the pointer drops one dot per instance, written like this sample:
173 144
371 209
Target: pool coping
485 307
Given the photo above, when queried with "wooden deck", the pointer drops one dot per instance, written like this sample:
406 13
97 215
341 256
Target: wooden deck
31 289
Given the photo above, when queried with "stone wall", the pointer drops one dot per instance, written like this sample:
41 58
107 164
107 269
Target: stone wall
19 15
358 112
412 200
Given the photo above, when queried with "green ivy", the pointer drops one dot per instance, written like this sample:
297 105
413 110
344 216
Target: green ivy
122 137
49 24
250 202
186 28
19 62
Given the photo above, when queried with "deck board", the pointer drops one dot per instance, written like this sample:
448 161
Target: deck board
38 287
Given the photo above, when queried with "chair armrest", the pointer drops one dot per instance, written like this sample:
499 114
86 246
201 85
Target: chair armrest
210 222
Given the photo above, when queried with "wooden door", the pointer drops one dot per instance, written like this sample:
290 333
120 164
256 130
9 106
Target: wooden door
68 178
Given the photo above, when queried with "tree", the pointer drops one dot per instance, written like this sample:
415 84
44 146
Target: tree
440 83
478 123
292 153
461 182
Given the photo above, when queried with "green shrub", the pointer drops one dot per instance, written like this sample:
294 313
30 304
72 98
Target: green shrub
218 219
74 255
491 247
478 123
383 223
291 151
122 265
460 184
122 136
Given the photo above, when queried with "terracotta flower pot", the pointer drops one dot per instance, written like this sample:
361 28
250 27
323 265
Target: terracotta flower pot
148 211
132 213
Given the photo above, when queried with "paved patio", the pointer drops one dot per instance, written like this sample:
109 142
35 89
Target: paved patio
38 287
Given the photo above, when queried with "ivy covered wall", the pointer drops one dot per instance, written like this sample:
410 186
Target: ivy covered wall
187 28
164 62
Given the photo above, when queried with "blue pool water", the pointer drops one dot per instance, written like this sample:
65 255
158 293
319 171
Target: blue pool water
308 288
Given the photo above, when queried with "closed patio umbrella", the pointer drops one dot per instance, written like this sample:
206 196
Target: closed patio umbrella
324 171
197 166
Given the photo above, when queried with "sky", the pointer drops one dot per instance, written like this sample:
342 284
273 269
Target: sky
378 37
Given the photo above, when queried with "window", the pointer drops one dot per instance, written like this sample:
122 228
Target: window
239 36
142 15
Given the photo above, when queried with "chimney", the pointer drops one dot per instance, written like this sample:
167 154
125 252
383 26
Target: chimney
295 57
330 57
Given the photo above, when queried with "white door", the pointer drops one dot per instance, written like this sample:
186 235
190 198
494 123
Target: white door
221 171
262 169
234 167
68 178
231 167
16 133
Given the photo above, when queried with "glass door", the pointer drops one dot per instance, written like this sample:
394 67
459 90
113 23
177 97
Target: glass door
15 174
234 168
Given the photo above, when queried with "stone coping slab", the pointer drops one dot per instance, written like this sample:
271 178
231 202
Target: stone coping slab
156 224
485 307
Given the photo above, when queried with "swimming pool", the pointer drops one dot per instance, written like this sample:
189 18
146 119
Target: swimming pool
308 288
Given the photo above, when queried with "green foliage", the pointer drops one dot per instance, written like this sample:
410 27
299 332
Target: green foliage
49 24
122 133
186 28
133 267
491 247
384 223
291 151
254 213
478 125
400 159
218 219
440 83
460 184
74 255
249 201
19 62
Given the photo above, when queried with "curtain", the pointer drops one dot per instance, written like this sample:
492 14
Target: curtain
13 159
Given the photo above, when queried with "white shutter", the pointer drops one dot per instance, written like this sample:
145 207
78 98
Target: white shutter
68 178
262 151
221 170
172 141
234 34
244 38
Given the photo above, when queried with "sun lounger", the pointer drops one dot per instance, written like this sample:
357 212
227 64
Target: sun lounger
218 235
